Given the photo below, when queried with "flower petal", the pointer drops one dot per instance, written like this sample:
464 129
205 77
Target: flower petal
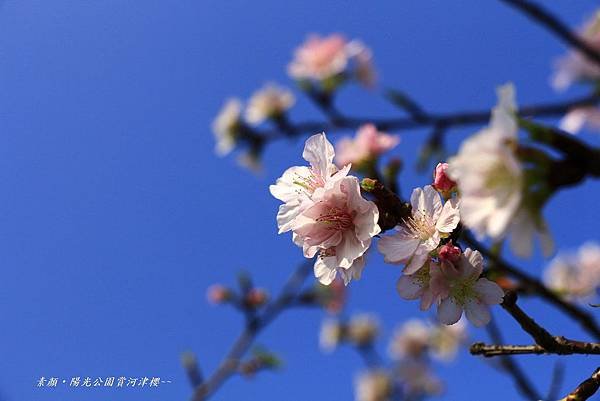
477 313
449 312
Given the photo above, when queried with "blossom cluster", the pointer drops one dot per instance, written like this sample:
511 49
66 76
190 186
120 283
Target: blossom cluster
330 219
410 349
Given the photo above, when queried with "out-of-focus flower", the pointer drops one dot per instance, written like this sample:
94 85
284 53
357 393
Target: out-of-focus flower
362 329
218 294
256 297
226 126
320 57
363 60
374 385
339 226
251 161
445 340
418 379
418 285
465 290
489 176
332 333
575 276
420 234
297 186
367 145
324 58
491 182
580 118
415 338
576 66
411 340
269 102
335 296
441 181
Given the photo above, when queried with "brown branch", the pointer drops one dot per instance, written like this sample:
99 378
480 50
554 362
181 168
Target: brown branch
446 120
552 23
546 343
586 389
565 347
231 362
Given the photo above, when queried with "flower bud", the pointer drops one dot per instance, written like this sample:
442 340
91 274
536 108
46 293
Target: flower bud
441 181
449 252
218 294
256 297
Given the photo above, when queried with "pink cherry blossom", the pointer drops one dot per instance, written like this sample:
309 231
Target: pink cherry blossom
320 57
441 181
339 226
466 291
368 144
300 184
421 284
420 234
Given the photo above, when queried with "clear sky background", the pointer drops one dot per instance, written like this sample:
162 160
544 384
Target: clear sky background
115 214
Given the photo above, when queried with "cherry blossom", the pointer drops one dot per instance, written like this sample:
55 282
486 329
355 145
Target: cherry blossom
411 340
269 102
332 333
580 118
418 285
297 186
576 66
489 176
367 145
323 58
374 385
420 234
226 125
575 275
339 226
463 289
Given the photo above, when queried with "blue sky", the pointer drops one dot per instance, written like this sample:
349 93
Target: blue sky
115 215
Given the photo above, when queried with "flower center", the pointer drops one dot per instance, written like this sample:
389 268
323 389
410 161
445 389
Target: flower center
463 292
335 218
310 183
420 225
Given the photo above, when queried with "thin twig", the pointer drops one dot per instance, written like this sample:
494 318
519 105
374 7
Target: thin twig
586 389
552 23
230 363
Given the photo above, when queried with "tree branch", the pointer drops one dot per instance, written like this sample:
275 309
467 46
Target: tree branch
230 363
553 24
586 389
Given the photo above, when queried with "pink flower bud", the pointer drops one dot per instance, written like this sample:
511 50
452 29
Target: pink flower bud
449 253
441 181
218 294
256 297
